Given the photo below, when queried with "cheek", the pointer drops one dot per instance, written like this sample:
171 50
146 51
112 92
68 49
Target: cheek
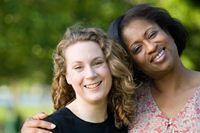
106 73
108 81
139 59
74 79
140 62
167 39
109 77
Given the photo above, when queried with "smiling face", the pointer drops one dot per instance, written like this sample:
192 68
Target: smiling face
87 71
152 49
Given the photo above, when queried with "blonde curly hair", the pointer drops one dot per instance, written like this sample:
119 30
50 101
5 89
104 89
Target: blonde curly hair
121 97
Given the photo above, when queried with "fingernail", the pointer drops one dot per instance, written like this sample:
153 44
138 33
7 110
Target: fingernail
53 126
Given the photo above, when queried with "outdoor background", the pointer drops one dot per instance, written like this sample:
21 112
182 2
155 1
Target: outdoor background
31 29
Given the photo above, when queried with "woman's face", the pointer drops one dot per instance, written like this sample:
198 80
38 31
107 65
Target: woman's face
87 71
152 49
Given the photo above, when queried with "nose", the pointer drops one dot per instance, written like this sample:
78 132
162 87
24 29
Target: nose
90 72
150 46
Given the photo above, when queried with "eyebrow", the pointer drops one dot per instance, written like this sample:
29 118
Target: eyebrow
145 34
99 57
96 58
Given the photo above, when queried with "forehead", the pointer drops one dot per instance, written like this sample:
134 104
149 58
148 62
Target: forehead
138 24
137 27
83 50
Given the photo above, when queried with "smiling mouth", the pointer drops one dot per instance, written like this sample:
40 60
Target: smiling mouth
158 56
94 85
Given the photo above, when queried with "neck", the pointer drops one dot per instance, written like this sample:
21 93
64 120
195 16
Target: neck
172 81
91 112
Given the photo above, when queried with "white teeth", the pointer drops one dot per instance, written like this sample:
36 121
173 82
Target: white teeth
93 85
159 55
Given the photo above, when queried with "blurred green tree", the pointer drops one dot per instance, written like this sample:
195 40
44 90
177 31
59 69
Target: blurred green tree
30 30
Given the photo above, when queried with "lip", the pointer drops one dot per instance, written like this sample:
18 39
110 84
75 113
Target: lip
158 56
92 85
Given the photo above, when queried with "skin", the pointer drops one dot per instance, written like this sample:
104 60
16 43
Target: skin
155 53
33 124
153 50
91 79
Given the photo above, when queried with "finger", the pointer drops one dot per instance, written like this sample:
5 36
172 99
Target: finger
34 130
41 131
39 124
40 115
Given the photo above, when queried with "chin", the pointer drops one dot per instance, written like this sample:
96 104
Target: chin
97 99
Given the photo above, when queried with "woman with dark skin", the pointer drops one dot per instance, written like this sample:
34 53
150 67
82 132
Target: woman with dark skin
168 100
169 94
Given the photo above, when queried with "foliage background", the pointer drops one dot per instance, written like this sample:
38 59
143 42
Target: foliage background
31 29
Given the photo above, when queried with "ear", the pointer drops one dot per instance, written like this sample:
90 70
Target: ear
68 79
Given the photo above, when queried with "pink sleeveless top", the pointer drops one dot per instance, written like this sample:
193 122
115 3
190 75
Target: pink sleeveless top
149 119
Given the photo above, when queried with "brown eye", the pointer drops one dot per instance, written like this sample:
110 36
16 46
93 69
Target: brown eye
152 34
136 48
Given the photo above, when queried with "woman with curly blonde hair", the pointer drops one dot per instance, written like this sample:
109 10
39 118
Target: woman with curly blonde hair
92 88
